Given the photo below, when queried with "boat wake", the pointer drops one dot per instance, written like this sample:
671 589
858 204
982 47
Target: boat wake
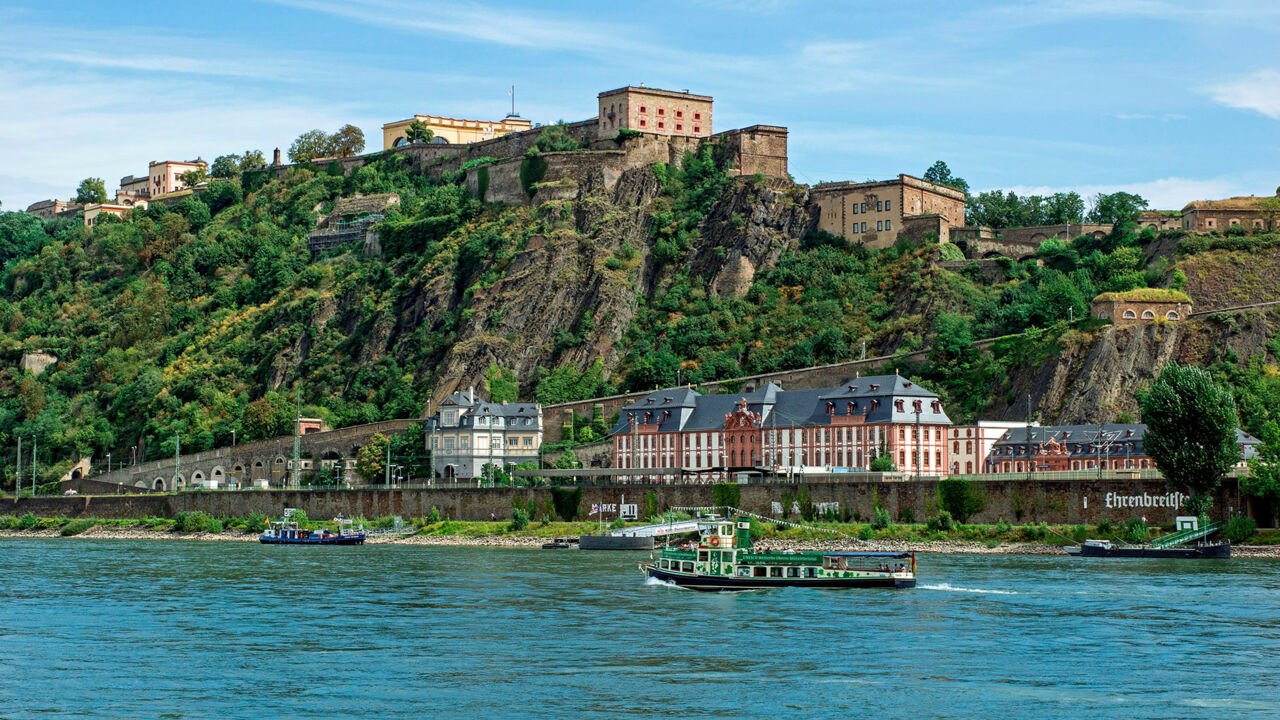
945 587
662 583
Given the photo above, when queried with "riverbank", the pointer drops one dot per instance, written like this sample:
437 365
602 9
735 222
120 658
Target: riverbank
493 535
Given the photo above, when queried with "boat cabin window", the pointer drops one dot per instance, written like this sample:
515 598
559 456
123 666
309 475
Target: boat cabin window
810 572
702 556
775 572
688 567
793 572
759 572
835 563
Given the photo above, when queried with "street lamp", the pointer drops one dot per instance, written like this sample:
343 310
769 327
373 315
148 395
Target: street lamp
233 437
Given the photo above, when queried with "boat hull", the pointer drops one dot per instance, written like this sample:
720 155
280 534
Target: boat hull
1214 551
729 584
335 540
614 542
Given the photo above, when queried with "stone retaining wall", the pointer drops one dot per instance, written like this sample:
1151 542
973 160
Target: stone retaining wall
1017 501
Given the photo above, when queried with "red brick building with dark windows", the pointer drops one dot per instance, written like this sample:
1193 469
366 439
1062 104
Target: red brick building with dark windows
825 430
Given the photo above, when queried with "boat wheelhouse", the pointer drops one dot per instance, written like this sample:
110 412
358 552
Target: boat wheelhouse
724 559
287 532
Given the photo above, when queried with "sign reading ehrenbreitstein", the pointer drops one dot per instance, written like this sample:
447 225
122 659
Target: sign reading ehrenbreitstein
1145 500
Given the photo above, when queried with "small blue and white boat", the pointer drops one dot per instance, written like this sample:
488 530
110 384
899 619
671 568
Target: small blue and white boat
286 532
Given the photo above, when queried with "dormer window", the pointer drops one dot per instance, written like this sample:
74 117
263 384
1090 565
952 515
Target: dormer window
897 404
853 388
850 408
831 408
666 400
666 415
916 405
648 418
875 404
875 387
648 401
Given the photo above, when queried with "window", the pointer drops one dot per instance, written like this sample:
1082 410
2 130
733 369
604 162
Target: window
687 566
1171 315
1147 315
864 227
450 417
679 127
662 111
887 224
793 572
879 225
702 556
864 207
775 572
661 125
879 206
886 204
680 113
1130 314
811 572
643 109
697 129
759 572
643 122
855 208
1210 222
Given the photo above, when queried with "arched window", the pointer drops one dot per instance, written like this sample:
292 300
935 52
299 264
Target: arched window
1128 314
1148 315
1172 315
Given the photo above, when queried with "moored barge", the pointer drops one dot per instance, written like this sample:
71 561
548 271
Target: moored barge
286 532
724 559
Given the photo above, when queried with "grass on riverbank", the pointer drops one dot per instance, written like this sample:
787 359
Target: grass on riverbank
992 535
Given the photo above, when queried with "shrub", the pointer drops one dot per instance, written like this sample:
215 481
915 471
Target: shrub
1080 533
532 169
957 496
192 521
27 521
865 532
1240 528
384 521
1136 531
7 522
567 500
726 495
213 525
75 527
941 522
519 520
1104 527
1035 531
255 522
881 521
907 515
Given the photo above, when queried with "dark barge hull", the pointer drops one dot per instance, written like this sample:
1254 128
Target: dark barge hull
614 542
730 584
337 540
1214 551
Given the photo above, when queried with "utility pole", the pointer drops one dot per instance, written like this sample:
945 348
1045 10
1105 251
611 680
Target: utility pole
295 479
17 475
35 453
386 467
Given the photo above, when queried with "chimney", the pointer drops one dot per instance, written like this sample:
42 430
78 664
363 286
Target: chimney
472 392
276 161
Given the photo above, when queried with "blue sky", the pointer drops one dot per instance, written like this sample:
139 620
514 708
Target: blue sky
1174 100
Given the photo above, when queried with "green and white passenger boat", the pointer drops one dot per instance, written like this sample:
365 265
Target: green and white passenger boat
724 559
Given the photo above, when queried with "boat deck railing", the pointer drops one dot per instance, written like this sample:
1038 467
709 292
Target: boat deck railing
1183 537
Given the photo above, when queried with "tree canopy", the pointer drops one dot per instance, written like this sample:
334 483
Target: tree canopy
91 190
418 132
1191 423
940 174
999 209
1117 207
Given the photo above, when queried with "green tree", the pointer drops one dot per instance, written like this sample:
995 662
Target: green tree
1191 423
192 177
1117 207
251 159
556 137
347 142
940 174
309 145
267 417
225 166
501 385
371 460
419 133
1263 480
91 190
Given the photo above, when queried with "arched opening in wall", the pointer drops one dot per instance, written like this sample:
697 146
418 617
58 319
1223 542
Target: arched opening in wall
1102 314
400 142
197 478
259 472
1171 315
992 254
218 476
140 484
450 473
158 484
76 474
1039 238
1148 315
437 140
179 482
1025 258
1129 315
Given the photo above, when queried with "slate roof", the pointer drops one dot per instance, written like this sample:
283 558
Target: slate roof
683 409
1080 439
479 407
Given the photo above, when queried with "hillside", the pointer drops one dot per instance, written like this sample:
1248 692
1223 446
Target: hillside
210 316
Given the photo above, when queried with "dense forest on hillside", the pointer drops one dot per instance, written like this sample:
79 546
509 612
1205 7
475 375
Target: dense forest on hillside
210 316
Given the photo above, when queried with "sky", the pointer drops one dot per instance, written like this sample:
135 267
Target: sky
1176 101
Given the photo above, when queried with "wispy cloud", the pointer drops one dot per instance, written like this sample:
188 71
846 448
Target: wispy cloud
1171 193
1259 92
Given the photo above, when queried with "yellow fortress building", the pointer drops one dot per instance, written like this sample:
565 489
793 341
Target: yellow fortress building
457 131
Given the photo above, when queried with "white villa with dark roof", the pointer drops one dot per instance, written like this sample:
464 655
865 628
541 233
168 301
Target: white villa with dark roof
707 437
467 432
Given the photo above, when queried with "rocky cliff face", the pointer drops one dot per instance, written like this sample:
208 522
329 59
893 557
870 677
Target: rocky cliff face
1094 376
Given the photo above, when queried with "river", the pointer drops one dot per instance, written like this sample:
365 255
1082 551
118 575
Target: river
151 629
